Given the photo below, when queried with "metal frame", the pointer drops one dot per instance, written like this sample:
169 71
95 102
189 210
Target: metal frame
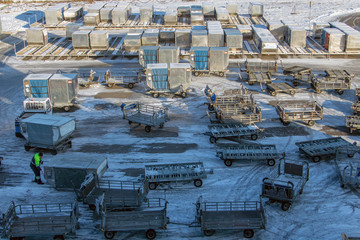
353 123
348 167
260 77
232 131
122 78
275 88
299 111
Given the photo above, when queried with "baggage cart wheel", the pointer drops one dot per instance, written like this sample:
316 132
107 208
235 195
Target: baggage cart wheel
221 74
150 234
227 162
248 233
19 135
130 85
109 235
27 148
152 186
147 128
87 85
254 137
196 74
110 85
285 206
350 155
340 92
130 122
198 182
251 83
292 92
318 91
92 207
67 108
271 162
209 233
316 159
69 144
273 93
213 139
155 95
54 152
285 123
272 201
295 84
161 125
183 94
311 122
59 237
211 107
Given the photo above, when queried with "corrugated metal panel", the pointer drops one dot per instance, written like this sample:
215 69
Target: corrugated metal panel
201 60
160 78
150 56
39 88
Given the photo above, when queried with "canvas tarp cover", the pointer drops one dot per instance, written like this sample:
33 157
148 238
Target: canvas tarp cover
160 78
150 56
40 134
39 88
201 60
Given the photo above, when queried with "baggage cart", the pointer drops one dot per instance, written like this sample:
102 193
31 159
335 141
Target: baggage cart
357 93
356 107
307 112
148 115
244 114
351 236
40 220
286 184
223 101
299 74
85 79
260 77
124 194
321 148
353 123
348 166
254 152
238 215
157 174
232 131
149 217
321 84
127 78
275 88
260 66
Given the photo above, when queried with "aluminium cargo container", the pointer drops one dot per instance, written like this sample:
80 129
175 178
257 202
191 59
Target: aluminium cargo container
333 40
264 40
196 18
63 90
146 14
106 14
148 55
92 19
199 38
73 13
318 29
256 9
216 38
71 28
183 38
295 36
36 85
170 17
120 15
81 39
222 14
95 7
352 36
208 9
169 54
37 36
233 39
277 29
167 35
150 37
99 40
246 31
132 41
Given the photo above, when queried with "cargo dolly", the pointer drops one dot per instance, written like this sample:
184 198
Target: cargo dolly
244 114
353 123
232 131
356 107
321 148
260 77
149 217
238 215
321 84
307 112
40 220
122 78
298 74
85 79
260 66
230 152
286 184
148 115
275 88
178 172
348 168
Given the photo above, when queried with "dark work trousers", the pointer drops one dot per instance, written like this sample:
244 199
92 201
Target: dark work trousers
36 171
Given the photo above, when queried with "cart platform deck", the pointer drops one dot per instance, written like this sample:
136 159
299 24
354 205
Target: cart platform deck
353 123
275 88
128 78
348 166
232 131
299 111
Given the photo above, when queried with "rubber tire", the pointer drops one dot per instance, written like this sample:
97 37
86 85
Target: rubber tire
227 162
311 123
130 122
340 92
285 206
209 233
59 237
221 74
69 144
271 162
183 95
110 85
350 155
147 128
316 159
161 125
254 137
152 186
273 93
67 108
212 140
286 123
196 74
296 84
211 107
54 152
292 92
109 234
248 233
198 182
92 207
130 85
150 234
155 95
27 148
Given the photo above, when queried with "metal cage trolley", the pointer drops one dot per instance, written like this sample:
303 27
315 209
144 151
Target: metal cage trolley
348 166
232 131
307 112
127 78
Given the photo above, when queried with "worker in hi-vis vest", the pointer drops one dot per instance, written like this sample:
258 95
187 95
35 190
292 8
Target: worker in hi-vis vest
35 166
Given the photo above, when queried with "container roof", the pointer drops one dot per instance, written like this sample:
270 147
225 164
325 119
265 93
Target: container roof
48 120
199 32
149 48
74 161
41 76
65 76
180 65
169 47
157 65
92 14
199 49
219 49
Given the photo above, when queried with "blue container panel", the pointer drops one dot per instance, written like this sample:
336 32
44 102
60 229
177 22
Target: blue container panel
39 88
160 79
201 60
150 57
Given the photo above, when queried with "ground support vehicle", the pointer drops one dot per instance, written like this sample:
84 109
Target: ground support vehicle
298 74
260 66
148 115
254 152
35 220
232 131
242 215
122 78
178 172
353 123
356 107
287 183
85 79
260 77
321 84
149 217
348 166
275 88
321 148
307 112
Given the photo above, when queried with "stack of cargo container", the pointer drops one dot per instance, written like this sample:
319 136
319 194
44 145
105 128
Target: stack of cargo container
121 14
132 40
333 40
264 40
215 34
146 14
209 60
352 36
73 13
256 9
233 39
55 14
222 14
196 15
183 38
150 37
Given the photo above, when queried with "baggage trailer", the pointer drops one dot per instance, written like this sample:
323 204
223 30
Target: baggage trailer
260 77
321 148
353 123
321 84
124 194
85 79
244 114
222 101
230 152
157 174
232 131
356 107
40 220
298 74
357 93
275 88
149 217
307 112
348 167
260 66
241 215
148 115
128 78
287 183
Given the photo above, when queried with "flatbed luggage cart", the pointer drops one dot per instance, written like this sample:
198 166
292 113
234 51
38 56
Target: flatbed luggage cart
223 101
149 217
125 194
128 78
356 107
353 123
150 116
241 215
321 84
157 174
260 77
348 166
244 114
287 183
231 152
232 131
35 220
275 88
307 112
321 148
260 66
298 74
85 79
